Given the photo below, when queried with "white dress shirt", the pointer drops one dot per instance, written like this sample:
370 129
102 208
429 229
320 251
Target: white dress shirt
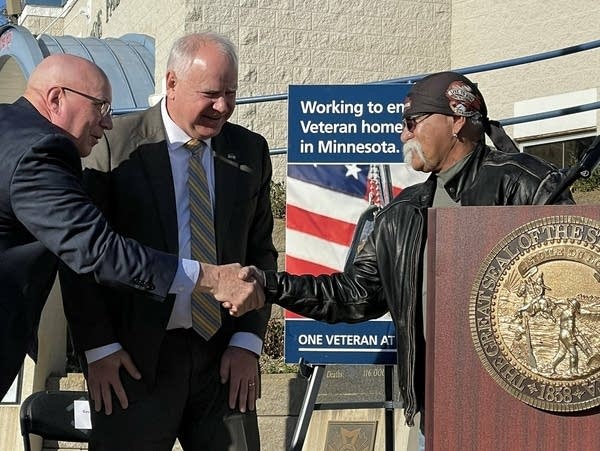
188 270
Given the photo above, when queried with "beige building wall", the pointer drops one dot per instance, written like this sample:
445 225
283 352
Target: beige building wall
485 31
283 42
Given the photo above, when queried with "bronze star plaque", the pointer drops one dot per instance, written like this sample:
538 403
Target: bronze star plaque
535 312
350 435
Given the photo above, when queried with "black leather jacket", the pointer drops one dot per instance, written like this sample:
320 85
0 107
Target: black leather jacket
387 272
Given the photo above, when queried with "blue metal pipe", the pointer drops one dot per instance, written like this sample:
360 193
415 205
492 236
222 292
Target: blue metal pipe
551 114
465 70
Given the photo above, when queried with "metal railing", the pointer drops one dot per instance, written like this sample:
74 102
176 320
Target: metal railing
465 70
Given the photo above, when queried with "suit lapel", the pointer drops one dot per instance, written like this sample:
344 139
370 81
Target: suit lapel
226 181
155 159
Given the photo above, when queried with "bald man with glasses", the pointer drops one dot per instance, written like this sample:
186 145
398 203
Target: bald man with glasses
46 216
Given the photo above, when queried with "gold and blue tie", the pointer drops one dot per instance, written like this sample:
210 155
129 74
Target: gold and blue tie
206 310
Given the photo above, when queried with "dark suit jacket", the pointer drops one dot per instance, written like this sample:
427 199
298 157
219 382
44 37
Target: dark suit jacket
45 214
129 175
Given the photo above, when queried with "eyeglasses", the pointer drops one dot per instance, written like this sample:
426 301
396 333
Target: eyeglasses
105 107
410 123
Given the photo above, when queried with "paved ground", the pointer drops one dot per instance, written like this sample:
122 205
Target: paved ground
588 197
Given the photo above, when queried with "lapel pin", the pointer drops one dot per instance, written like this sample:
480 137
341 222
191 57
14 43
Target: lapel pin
230 160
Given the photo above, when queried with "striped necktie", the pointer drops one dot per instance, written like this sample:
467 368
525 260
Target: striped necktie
206 310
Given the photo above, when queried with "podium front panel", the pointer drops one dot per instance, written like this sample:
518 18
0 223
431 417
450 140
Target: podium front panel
466 409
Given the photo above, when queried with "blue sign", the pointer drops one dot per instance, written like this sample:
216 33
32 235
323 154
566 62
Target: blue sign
340 140
371 342
345 123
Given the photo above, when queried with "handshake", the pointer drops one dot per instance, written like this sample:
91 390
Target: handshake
238 289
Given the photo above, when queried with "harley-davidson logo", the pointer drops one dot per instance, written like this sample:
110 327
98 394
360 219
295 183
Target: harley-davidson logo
534 312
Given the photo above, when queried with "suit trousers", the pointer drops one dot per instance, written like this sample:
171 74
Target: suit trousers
187 402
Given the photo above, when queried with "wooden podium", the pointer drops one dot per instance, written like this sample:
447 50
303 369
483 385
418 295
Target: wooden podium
466 409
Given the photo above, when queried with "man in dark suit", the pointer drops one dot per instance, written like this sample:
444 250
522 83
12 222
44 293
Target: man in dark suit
139 178
45 213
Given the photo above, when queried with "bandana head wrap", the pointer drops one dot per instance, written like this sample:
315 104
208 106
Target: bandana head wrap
453 94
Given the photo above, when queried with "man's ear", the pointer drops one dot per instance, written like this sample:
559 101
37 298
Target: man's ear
54 97
458 124
171 81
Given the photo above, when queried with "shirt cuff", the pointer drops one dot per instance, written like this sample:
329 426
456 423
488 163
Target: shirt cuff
99 353
188 272
247 340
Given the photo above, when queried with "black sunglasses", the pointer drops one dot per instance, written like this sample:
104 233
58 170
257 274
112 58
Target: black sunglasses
411 122
105 107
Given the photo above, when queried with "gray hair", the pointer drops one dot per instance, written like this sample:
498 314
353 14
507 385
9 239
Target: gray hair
184 50
476 121
478 125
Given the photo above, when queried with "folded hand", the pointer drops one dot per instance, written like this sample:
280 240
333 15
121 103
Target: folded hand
103 379
239 367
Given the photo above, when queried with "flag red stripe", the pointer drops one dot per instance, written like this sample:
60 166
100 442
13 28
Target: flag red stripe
298 266
295 265
289 314
324 227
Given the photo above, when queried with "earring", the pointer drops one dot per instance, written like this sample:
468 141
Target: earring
454 135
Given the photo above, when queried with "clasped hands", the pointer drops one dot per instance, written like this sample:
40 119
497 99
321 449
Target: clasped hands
238 289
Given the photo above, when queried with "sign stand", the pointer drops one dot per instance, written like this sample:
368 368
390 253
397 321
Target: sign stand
314 374
366 121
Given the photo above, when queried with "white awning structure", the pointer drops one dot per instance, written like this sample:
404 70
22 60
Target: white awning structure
128 62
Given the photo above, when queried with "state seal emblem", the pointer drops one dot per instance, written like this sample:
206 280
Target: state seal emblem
534 313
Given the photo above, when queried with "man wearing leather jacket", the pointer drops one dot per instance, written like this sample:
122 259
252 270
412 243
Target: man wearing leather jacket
444 127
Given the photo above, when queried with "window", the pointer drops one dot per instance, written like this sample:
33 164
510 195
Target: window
560 153
59 3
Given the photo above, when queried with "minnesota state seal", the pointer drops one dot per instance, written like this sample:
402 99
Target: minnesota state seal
535 310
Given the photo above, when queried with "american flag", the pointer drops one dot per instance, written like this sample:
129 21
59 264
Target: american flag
324 203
